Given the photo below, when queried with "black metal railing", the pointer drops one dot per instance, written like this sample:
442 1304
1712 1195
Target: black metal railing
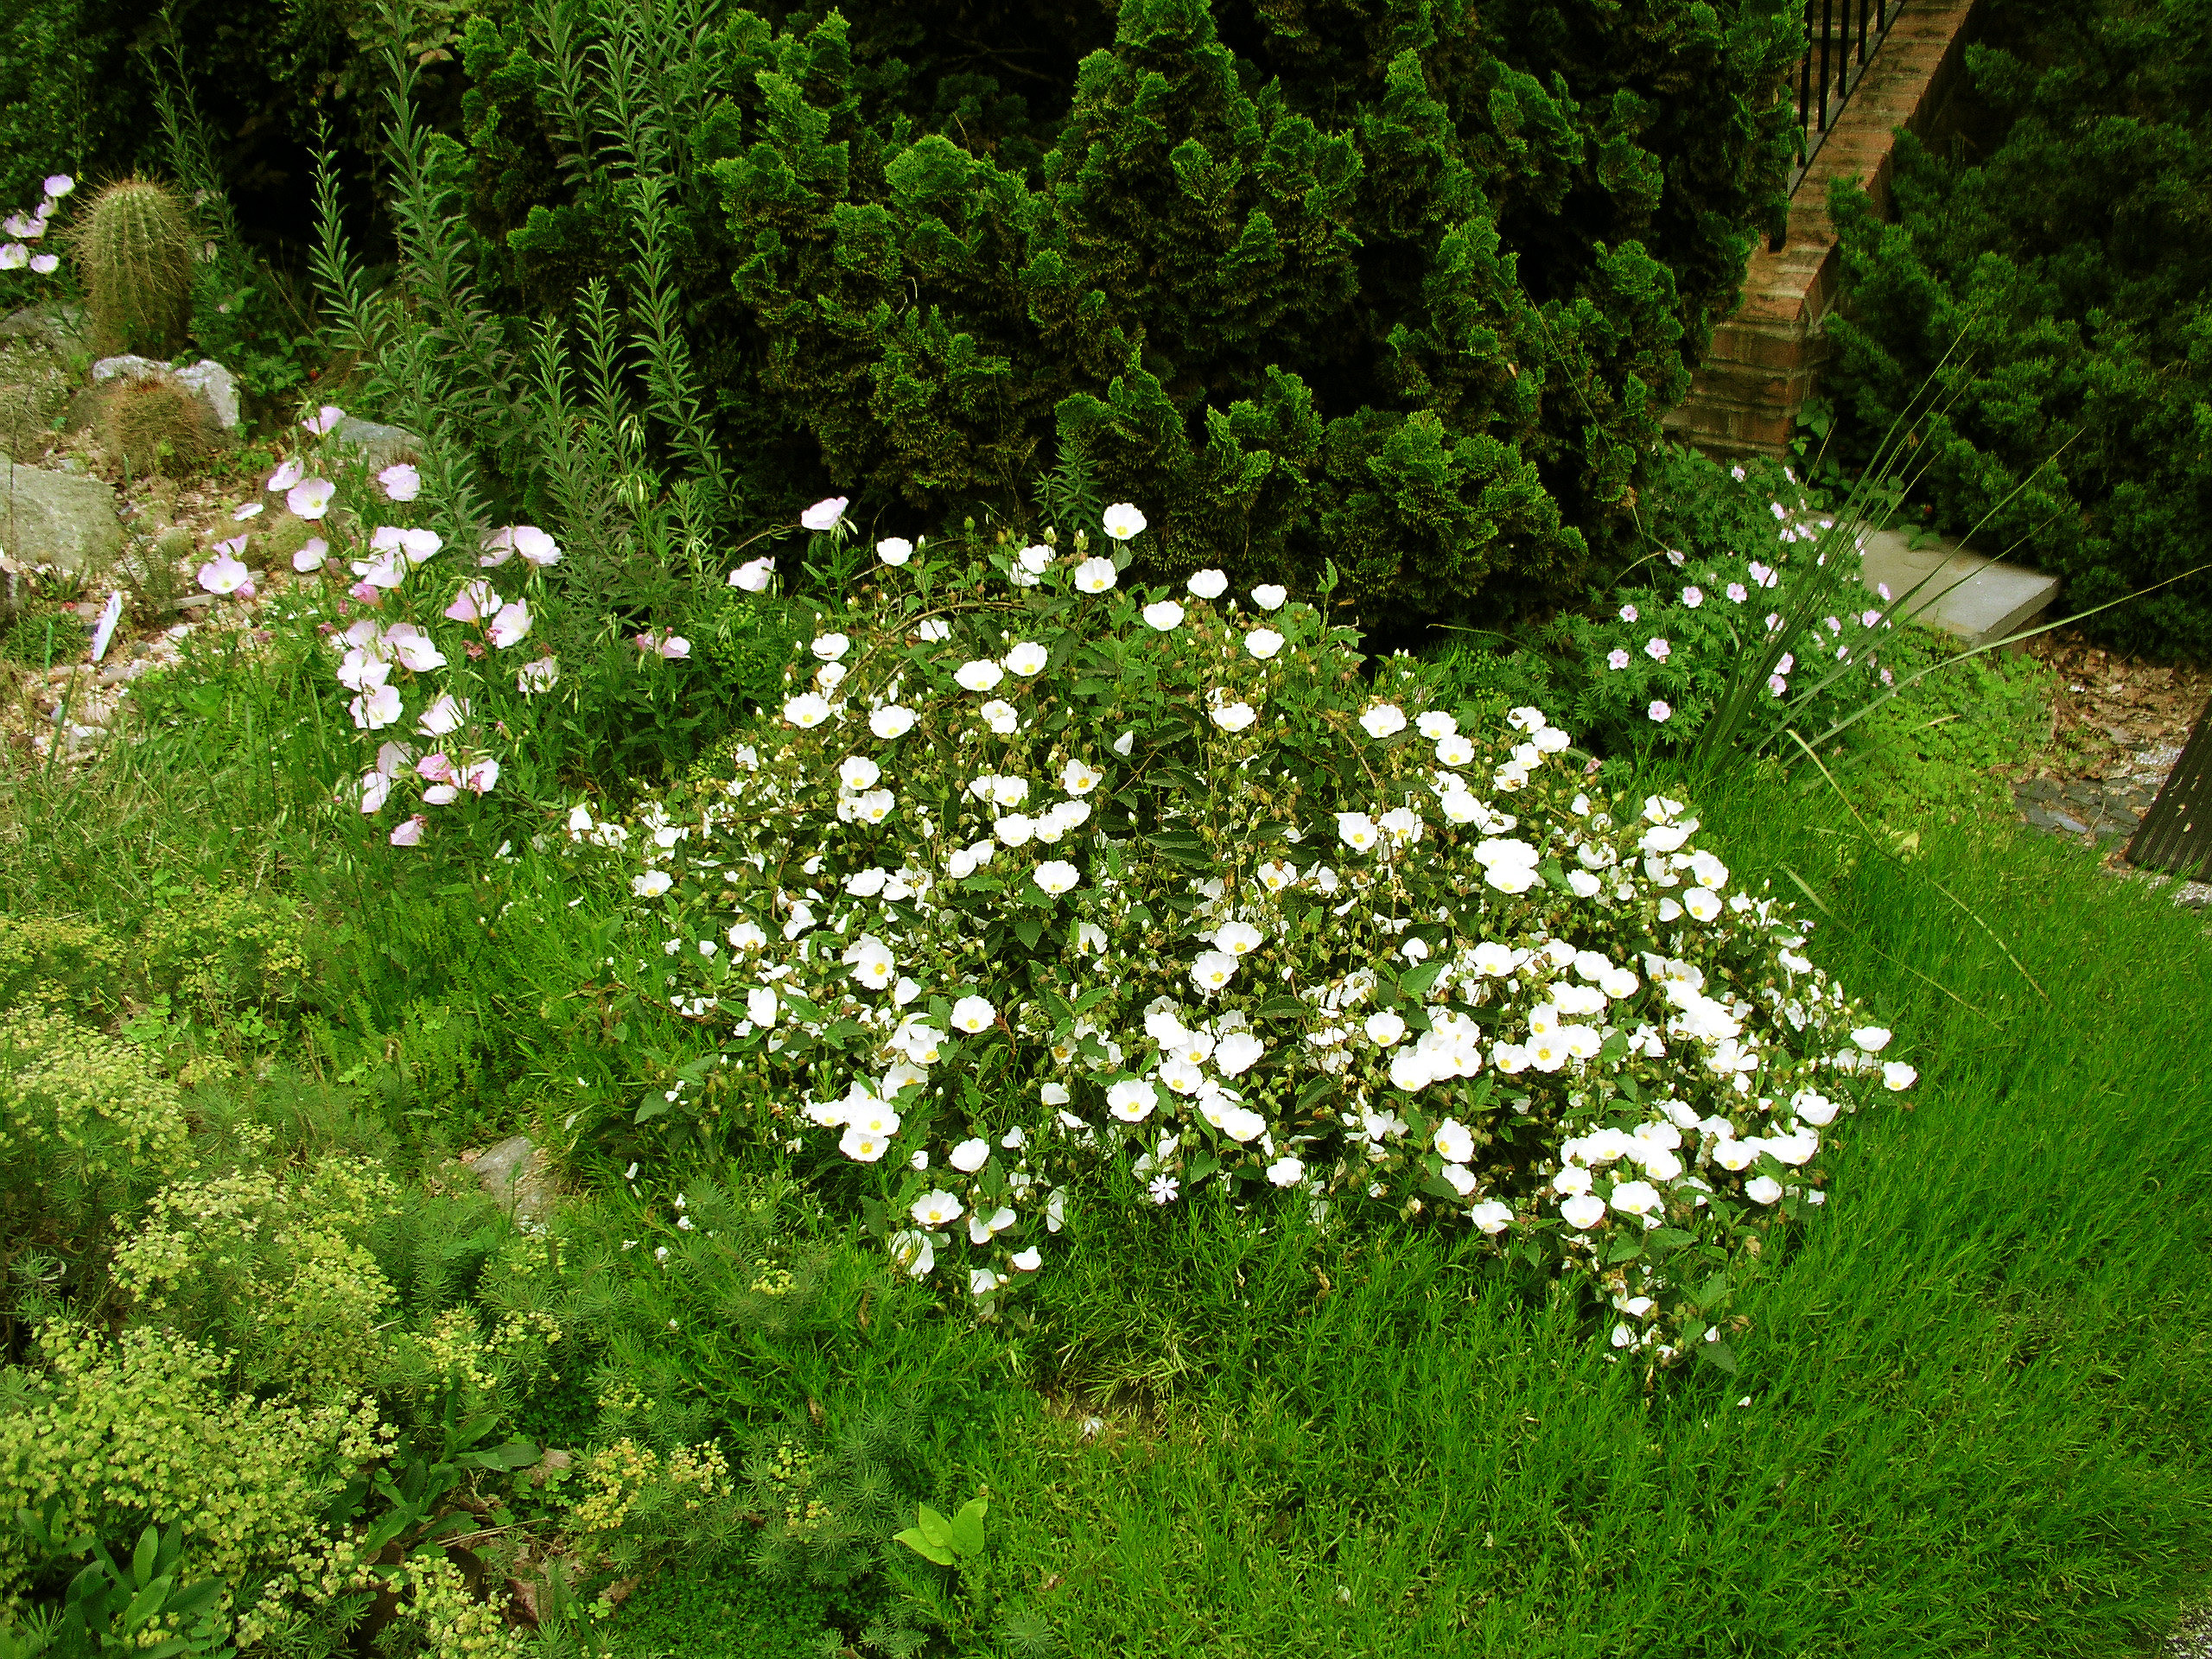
1834 63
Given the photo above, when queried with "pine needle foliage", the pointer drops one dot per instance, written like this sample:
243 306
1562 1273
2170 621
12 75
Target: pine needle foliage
1386 283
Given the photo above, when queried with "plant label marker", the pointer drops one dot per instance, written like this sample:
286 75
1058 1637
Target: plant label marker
2175 834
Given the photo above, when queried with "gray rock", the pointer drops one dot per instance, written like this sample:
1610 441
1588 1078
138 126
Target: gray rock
510 1172
58 326
207 380
55 518
379 445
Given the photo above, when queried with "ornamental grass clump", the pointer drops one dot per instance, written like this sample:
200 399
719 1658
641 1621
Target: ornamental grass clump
1038 875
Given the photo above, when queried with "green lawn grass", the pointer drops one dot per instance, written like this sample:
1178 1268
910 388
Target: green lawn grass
1974 1398
1971 1407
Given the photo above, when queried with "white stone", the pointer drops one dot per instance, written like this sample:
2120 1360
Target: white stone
207 380
1940 585
49 517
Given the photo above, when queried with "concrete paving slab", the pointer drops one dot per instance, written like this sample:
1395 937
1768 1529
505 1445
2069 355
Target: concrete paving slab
1975 599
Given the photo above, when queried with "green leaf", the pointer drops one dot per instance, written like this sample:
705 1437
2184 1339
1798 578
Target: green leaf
922 1547
1181 846
967 1527
1315 1092
1670 1239
1280 1007
1416 984
1028 930
1719 1354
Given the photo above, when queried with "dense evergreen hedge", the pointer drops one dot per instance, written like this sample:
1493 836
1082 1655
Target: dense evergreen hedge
2068 244
1392 283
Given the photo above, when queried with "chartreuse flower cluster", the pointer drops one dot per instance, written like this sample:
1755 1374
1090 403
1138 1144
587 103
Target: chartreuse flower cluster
1038 873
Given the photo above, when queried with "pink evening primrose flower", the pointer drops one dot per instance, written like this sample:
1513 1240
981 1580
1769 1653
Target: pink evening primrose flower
410 833
754 578
1868 618
512 622
324 421
45 263
475 603
480 777
823 514
59 185
400 482
225 574
310 498
250 510
312 557
285 476
13 256
535 546
536 676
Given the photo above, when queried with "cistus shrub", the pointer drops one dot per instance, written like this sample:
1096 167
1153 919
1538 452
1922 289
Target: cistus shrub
1035 881
2064 265
1402 287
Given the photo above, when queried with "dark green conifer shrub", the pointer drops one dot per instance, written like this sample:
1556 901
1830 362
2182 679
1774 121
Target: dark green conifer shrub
2072 267
1389 283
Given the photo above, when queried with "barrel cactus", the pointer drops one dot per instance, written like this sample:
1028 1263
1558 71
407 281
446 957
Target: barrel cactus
134 246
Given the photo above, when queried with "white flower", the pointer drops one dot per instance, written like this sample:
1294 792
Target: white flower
1056 876
1028 1261
858 772
1237 938
1027 658
1287 1171
1637 1198
1002 716
888 722
823 514
830 647
1208 584
1454 1144
1385 1028
1490 1217
806 711
1358 830
652 884
1237 1052
970 1156
1583 1211
973 1014
1132 1100
978 675
1077 778
1762 1189
1702 903
1094 575
1435 725
894 550
754 575
863 1145
1269 597
1164 1189
1383 720
1235 717
937 1208
1454 750
1121 521
1014 830
761 1005
1212 970
1036 558
1163 614
1872 1038
1897 1075
913 1251
1263 643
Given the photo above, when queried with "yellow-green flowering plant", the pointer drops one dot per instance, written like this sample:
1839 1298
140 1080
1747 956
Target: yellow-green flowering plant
1036 872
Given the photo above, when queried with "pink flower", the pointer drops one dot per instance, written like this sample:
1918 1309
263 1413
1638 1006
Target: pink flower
1628 613
480 777
443 716
1692 597
250 510
511 624
223 573
13 256
1868 618
823 514
310 498
1657 650
539 675
410 833
1661 712
536 547
1773 623
376 788
59 185
436 767
311 557
1737 592
1886 680
285 476
324 421
1788 661
45 264
475 603
1616 659
1777 685
754 578
400 482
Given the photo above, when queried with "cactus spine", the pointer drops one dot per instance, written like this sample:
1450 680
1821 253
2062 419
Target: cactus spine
134 246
